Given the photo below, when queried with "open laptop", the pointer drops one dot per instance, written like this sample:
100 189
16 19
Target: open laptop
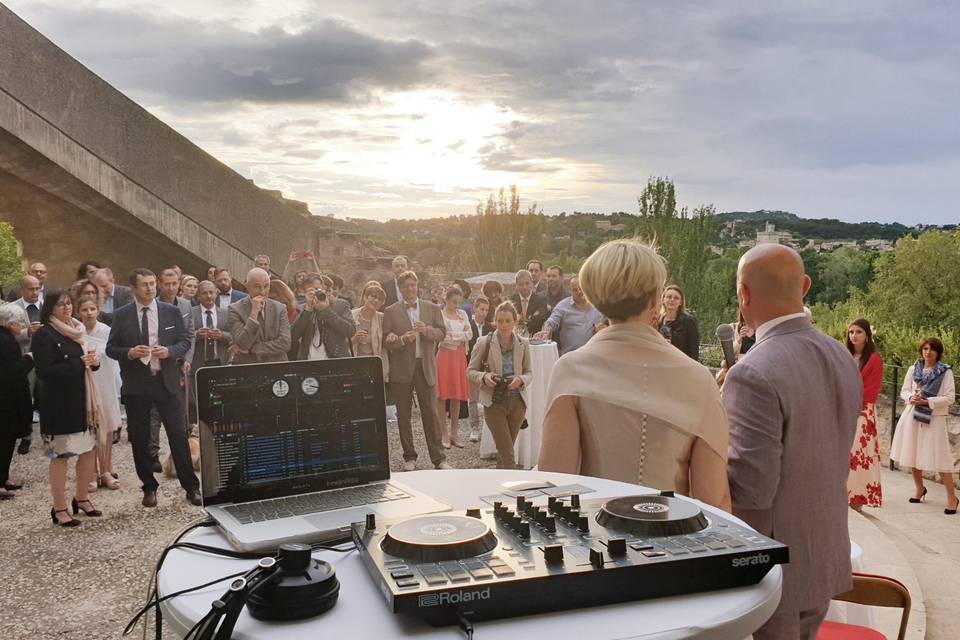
296 451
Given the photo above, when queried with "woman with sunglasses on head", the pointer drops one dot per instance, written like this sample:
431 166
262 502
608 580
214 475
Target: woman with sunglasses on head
66 408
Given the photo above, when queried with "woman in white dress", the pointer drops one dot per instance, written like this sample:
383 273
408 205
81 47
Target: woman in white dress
921 441
107 382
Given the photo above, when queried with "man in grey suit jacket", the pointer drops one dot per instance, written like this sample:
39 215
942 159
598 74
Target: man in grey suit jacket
114 295
259 326
411 330
793 403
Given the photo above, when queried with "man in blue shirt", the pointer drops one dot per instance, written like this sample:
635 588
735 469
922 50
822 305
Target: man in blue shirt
574 320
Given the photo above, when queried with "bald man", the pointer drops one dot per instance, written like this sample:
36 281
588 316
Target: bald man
258 325
793 402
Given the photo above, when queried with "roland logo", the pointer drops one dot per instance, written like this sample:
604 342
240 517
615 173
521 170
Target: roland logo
746 561
453 597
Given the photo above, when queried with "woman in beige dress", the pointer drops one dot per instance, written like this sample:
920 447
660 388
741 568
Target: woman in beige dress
628 405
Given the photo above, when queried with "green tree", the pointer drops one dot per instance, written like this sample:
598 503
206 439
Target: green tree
10 263
918 284
681 236
835 274
506 237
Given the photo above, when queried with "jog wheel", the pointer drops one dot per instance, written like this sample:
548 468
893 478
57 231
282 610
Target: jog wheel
652 516
437 538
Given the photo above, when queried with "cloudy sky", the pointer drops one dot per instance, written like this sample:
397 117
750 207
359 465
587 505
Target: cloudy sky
411 109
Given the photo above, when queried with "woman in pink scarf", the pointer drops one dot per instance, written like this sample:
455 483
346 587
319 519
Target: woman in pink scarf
67 411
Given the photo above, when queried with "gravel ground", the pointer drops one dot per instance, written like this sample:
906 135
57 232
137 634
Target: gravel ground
88 582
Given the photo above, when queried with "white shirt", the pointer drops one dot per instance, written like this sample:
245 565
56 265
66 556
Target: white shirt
203 317
153 329
224 300
765 328
414 314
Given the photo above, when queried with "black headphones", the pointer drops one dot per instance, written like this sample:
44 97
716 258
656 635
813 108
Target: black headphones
291 586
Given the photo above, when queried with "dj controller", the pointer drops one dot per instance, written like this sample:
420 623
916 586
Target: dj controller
517 559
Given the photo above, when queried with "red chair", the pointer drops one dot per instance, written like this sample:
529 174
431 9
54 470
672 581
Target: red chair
877 591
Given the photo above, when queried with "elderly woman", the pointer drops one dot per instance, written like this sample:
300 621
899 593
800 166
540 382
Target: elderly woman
628 406
921 440
368 340
500 367
16 405
66 409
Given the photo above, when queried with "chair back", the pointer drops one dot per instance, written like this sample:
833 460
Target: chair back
879 591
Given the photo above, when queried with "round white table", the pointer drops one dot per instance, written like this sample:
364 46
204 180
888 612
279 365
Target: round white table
527 449
361 613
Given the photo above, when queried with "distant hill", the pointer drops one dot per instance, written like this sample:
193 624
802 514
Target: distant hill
812 228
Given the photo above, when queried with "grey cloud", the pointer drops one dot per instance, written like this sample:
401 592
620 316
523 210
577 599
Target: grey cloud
328 61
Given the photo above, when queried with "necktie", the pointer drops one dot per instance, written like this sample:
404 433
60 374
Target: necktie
523 304
33 313
209 319
144 327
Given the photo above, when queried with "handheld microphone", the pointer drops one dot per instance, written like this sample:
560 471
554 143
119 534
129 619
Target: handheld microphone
726 334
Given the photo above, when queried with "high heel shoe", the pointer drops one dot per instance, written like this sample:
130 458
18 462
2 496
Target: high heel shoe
952 512
923 496
72 522
92 513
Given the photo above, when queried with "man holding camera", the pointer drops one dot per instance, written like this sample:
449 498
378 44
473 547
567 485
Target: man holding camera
325 325
259 326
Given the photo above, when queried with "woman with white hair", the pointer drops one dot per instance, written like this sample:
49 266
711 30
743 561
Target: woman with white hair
16 405
628 405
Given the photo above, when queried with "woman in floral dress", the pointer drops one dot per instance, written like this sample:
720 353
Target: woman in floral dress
863 483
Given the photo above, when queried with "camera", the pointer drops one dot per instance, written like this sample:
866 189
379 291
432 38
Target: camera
321 295
500 391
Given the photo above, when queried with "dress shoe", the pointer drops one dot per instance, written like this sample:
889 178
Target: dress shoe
952 512
72 522
923 495
157 467
6 495
149 499
9 486
409 465
90 513
444 466
193 497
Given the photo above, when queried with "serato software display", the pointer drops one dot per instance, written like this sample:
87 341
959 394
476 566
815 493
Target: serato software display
273 429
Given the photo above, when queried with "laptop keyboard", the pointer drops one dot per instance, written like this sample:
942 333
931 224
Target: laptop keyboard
319 502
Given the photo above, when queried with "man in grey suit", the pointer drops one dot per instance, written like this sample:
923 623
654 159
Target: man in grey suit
411 330
212 338
793 402
259 326
114 295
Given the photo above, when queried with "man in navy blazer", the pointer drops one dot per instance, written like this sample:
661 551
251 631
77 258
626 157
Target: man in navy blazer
149 340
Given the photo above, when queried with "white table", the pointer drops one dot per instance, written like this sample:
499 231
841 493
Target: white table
361 613
527 449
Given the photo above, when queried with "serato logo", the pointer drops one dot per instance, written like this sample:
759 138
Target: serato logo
453 597
746 561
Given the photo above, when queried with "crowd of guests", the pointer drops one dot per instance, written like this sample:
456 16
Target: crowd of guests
628 400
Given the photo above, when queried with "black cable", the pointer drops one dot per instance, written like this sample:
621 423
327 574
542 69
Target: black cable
153 591
465 625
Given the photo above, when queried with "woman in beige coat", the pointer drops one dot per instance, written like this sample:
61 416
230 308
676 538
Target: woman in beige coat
500 367
368 340
628 405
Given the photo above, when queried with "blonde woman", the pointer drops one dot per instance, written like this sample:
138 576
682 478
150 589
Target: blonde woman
628 405
368 340
188 288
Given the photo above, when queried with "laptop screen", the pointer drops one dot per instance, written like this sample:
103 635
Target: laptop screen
285 428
